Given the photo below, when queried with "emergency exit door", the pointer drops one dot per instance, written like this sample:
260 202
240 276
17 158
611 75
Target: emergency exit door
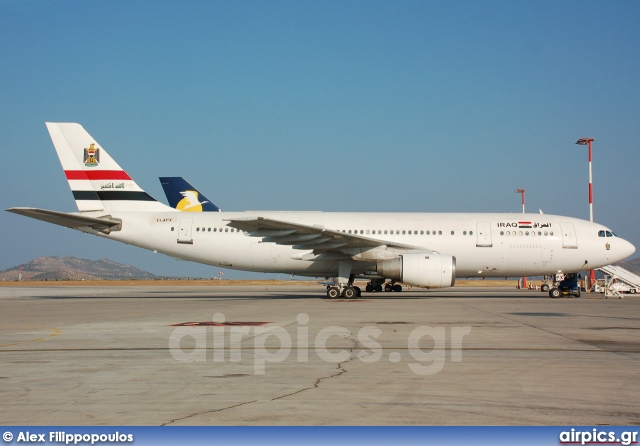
483 234
184 231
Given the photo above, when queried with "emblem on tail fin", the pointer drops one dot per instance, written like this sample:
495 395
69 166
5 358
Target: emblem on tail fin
184 197
91 156
190 202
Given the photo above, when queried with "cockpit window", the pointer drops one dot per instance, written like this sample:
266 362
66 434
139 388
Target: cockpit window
600 233
606 234
610 234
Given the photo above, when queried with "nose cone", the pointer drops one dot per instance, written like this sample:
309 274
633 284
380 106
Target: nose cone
626 249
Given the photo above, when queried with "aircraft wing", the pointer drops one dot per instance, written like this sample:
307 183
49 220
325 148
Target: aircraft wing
315 237
69 220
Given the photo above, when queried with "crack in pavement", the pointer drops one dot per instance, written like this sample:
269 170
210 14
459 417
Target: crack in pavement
206 412
340 368
316 384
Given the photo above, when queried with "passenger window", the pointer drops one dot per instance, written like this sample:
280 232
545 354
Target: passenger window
404 232
464 232
501 232
452 233
172 228
470 232
226 229
397 231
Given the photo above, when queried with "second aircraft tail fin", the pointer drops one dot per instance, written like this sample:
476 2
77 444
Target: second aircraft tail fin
184 197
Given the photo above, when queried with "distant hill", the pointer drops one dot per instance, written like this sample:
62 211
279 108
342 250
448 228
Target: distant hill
71 268
632 265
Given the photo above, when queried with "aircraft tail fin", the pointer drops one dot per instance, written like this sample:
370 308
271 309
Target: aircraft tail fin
98 183
184 197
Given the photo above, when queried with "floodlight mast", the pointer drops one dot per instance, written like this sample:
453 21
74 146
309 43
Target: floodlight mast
521 191
587 142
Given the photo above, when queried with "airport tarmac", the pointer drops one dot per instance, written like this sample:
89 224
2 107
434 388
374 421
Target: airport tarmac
109 355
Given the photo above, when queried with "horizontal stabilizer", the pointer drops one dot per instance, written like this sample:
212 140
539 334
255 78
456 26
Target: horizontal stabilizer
104 224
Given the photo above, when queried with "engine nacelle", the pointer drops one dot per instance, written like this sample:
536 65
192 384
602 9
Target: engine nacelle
425 270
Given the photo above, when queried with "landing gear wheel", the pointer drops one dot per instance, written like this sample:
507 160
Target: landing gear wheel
333 292
555 293
397 288
377 288
349 292
544 287
358 291
369 288
388 288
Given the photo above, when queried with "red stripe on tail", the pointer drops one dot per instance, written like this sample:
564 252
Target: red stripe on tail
96 175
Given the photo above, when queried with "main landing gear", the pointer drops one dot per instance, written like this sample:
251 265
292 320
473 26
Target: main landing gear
343 284
347 292
379 285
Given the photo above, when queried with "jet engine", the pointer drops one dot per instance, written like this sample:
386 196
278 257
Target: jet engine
425 270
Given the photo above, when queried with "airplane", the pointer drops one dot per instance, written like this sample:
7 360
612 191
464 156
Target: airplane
428 250
184 197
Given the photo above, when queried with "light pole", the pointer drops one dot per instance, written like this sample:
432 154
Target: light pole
587 142
521 191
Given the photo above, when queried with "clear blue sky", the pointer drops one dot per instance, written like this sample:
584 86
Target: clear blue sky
323 105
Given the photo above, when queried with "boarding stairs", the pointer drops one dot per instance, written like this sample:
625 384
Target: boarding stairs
619 274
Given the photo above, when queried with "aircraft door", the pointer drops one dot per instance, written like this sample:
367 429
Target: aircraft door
483 234
569 239
184 231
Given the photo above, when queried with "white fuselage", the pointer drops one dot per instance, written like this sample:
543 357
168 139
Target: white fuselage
484 245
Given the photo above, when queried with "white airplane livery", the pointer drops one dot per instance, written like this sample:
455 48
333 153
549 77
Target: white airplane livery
427 250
